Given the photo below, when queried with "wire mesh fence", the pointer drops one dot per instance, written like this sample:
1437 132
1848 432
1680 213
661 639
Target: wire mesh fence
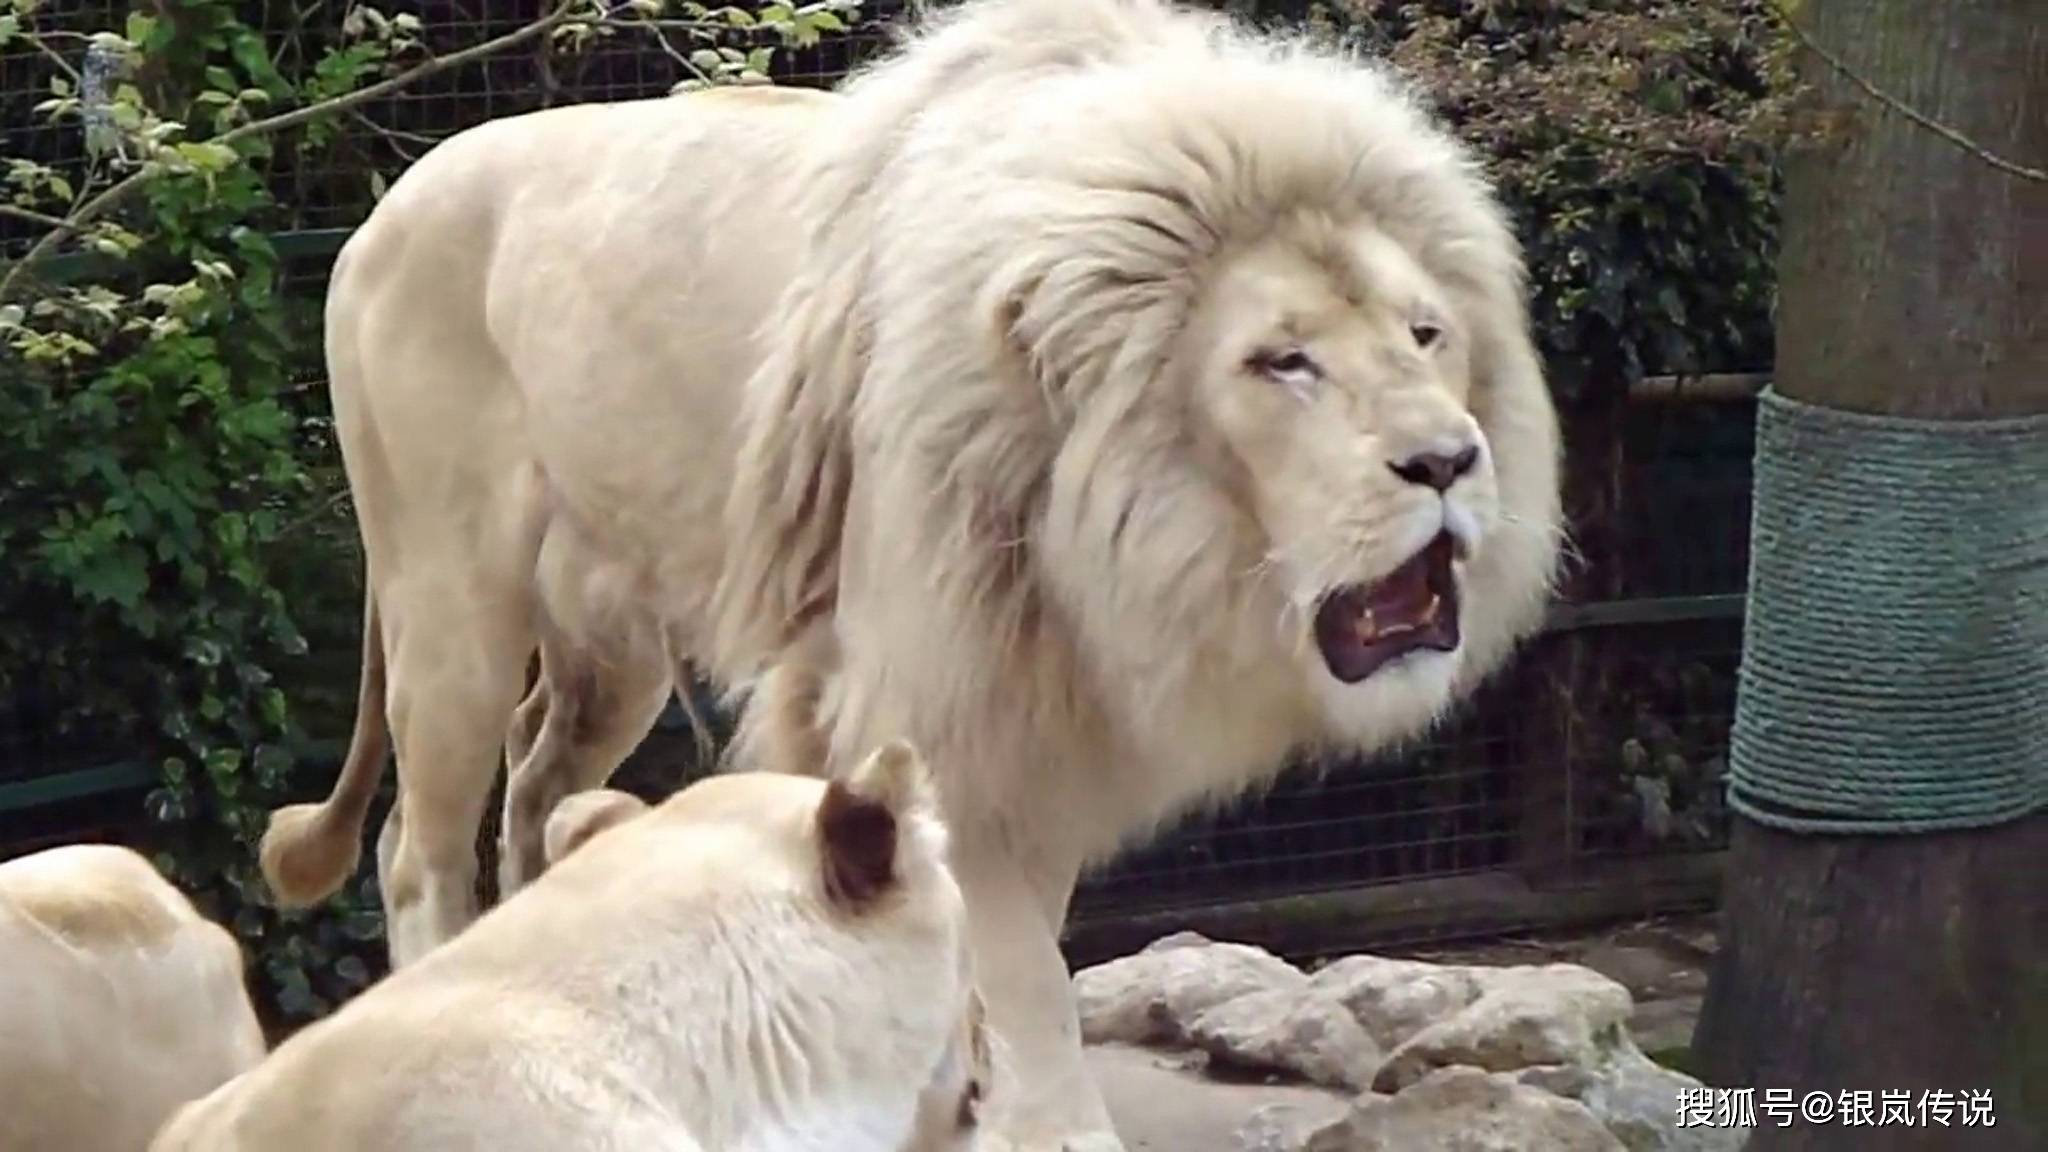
327 180
386 135
1605 741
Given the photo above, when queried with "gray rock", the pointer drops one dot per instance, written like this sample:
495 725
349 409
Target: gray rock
1558 1079
1296 1031
1154 996
1661 1024
1636 1098
1534 1058
1287 1127
1174 940
1466 1110
1524 1016
1395 999
1646 972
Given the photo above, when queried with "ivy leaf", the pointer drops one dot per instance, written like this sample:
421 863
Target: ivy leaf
351 971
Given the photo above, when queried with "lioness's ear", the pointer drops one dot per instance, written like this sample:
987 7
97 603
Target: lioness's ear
582 815
860 823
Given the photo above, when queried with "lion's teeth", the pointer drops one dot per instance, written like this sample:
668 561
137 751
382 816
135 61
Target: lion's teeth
1367 628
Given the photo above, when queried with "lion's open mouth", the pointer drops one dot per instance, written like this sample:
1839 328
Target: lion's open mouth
1360 628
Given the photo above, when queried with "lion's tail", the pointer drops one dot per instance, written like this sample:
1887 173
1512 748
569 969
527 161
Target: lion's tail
310 850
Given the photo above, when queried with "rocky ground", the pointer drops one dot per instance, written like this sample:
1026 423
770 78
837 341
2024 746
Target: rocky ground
1529 1046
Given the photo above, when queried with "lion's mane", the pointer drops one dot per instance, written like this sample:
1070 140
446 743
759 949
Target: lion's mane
956 456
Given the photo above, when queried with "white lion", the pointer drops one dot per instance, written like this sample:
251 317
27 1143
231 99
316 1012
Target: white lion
119 1002
1149 400
536 346
764 963
1157 400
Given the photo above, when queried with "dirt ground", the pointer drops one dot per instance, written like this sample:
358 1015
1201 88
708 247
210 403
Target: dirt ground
1663 963
1160 1107
1162 1103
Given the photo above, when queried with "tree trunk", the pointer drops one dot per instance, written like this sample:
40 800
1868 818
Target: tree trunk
1914 281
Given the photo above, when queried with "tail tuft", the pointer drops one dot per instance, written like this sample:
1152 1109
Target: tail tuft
307 854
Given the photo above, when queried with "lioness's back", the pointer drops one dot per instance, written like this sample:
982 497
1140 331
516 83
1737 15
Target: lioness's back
120 1002
764 961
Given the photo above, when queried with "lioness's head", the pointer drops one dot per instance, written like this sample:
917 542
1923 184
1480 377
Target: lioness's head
842 896
862 845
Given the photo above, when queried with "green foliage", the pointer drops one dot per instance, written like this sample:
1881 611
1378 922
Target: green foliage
150 441
1634 142
168 484
714 45
172 527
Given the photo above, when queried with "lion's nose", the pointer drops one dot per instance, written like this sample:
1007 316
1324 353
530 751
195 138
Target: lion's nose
1439 470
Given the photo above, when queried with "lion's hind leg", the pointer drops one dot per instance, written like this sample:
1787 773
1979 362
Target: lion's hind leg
596 710
455 678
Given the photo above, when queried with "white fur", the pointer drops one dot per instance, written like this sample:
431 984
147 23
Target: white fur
993 477
536 345
1006 452
681 980
118 1001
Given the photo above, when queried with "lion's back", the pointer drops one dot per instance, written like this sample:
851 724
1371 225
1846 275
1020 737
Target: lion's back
587 196
572 293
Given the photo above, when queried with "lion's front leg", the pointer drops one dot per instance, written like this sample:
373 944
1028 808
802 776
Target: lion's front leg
1044 1099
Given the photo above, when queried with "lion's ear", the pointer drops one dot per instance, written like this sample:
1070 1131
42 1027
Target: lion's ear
582 815
860 824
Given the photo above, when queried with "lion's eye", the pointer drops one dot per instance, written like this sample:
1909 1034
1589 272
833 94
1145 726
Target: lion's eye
1425 333
1287 365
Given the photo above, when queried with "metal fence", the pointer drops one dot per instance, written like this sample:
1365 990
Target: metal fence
1584 782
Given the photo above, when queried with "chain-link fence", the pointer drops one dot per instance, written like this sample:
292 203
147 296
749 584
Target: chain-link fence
1585 782
1601 750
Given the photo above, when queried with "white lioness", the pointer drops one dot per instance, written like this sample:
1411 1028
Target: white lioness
762 963
118 1002
1138 401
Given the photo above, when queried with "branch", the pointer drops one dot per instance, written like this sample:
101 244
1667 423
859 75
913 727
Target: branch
33 217
670 50
406 79
398 138
120 191
38 39
326 508
1899 106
